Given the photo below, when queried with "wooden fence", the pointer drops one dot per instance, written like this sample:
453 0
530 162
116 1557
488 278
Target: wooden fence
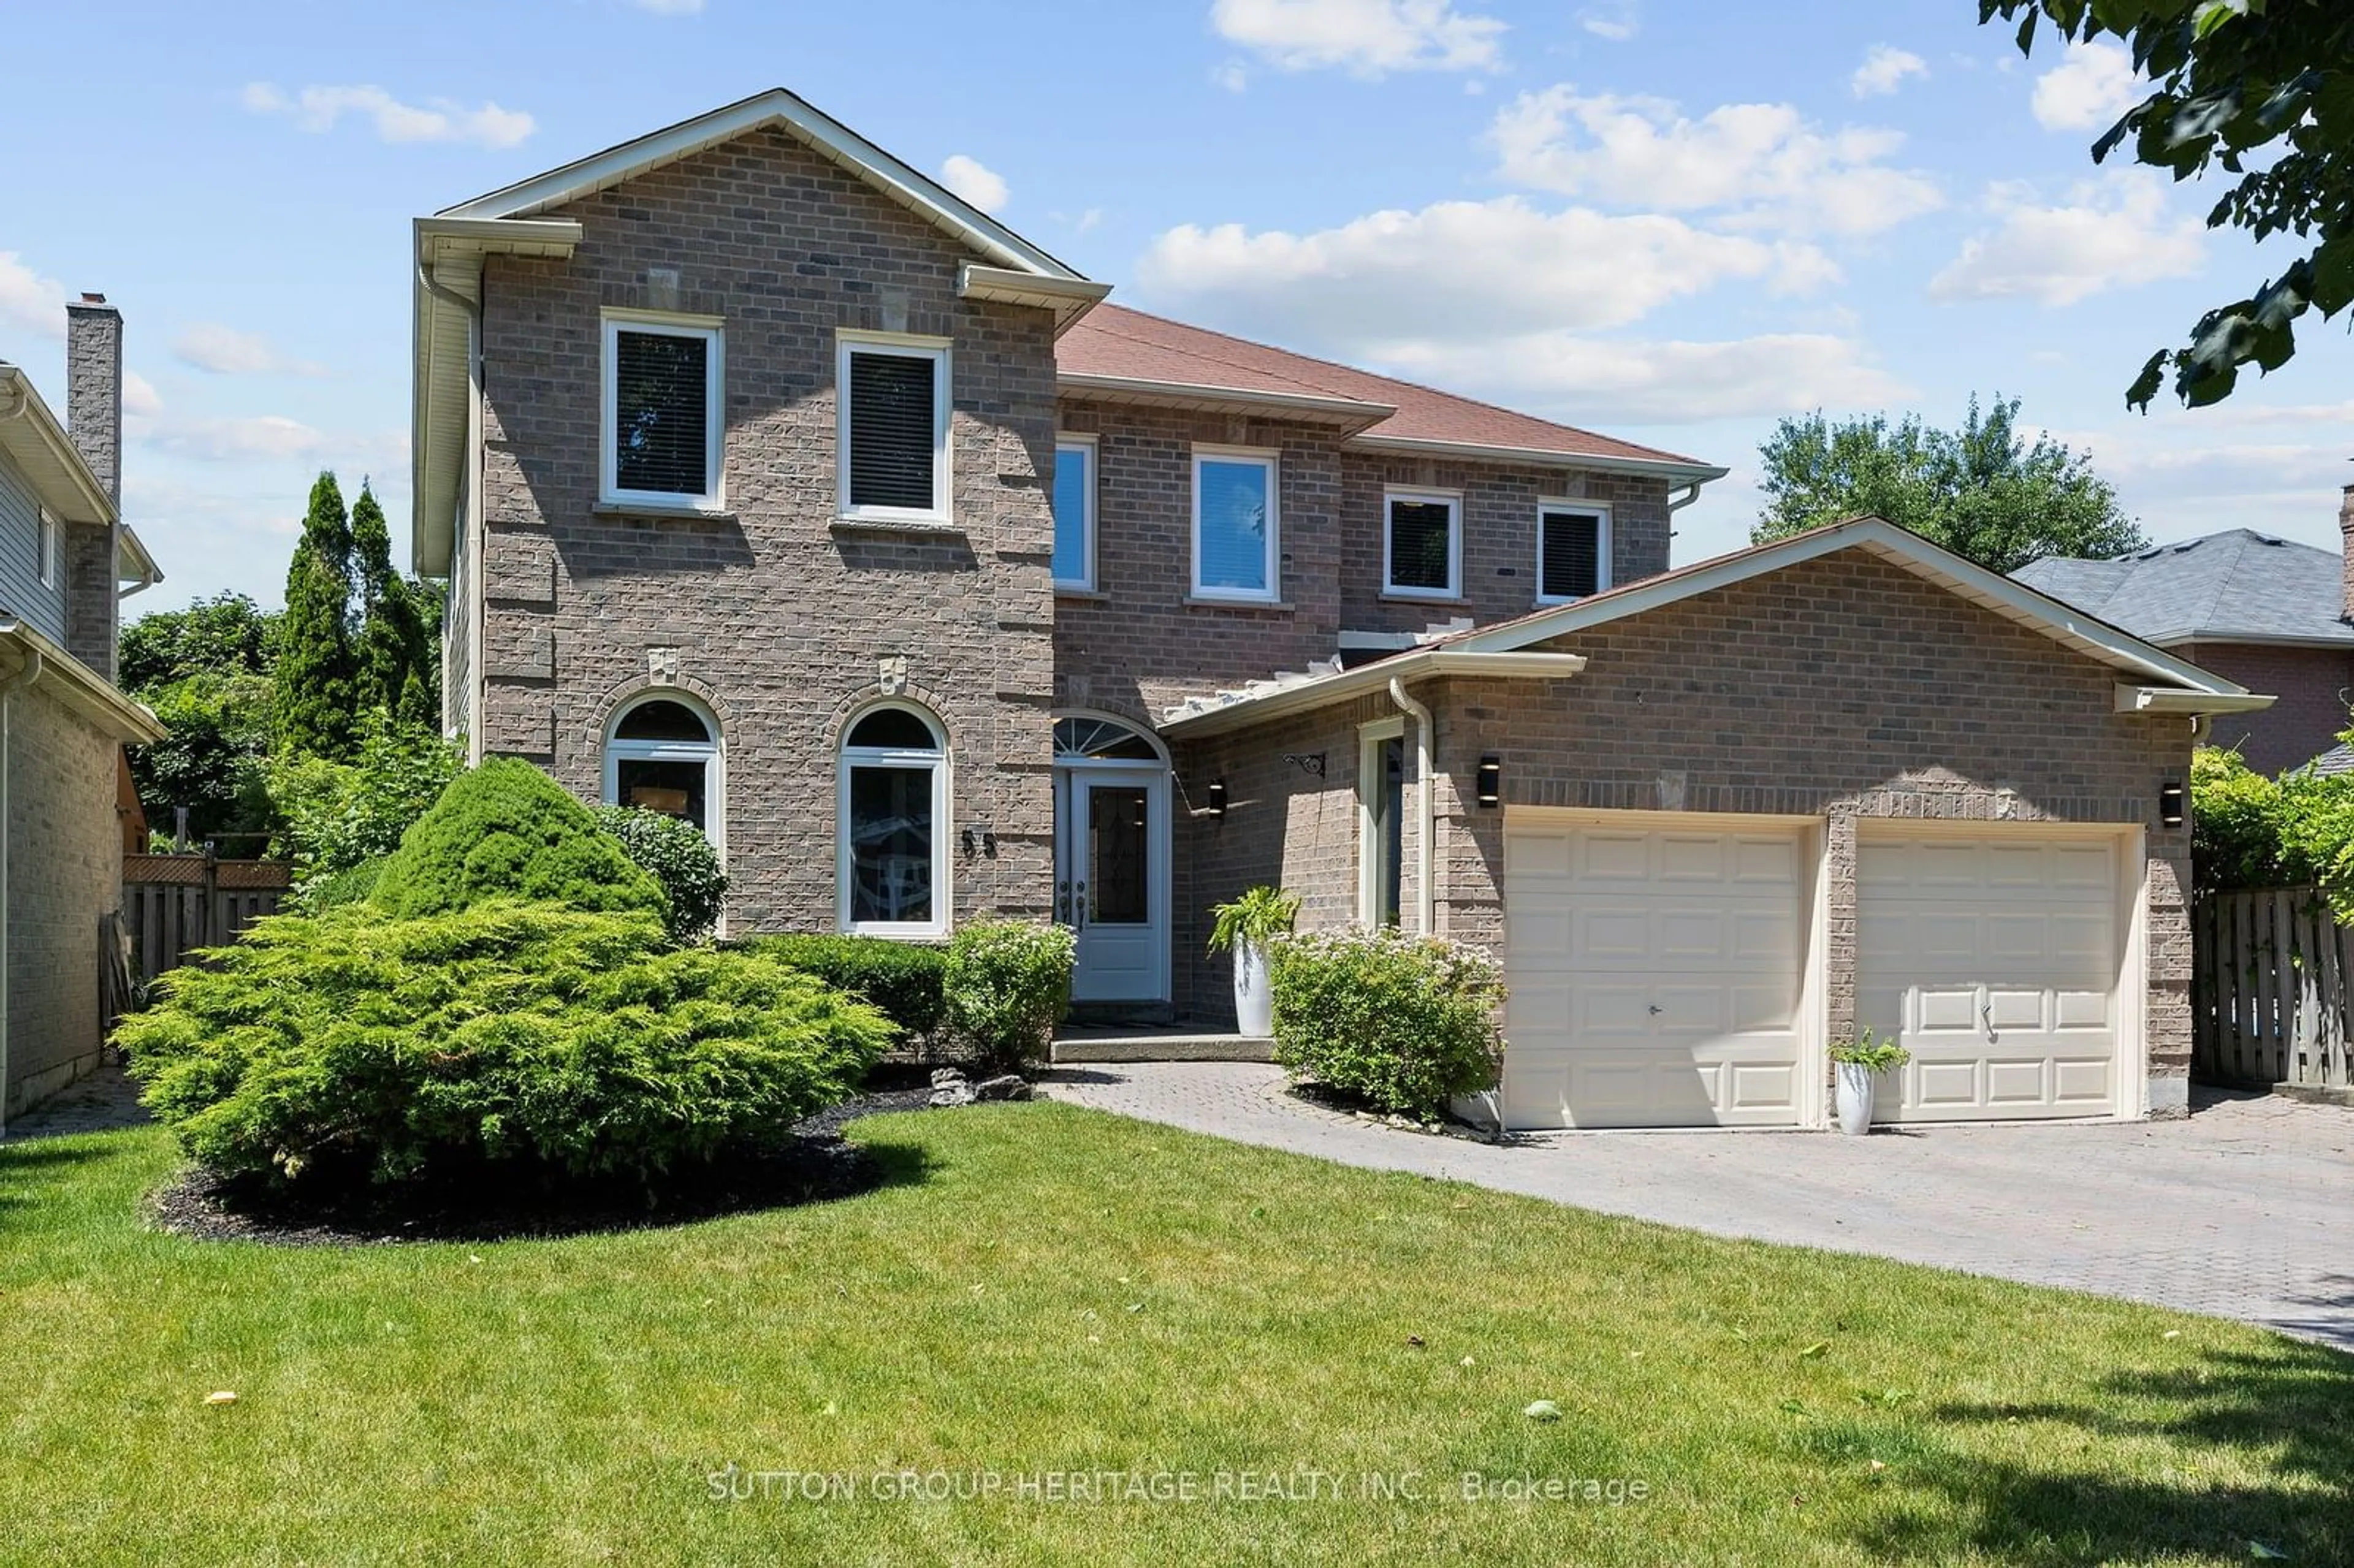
175 904
2270 976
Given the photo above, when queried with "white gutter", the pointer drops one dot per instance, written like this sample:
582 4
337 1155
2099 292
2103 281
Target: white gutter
1068 298
1673 468
2133 699
1425 899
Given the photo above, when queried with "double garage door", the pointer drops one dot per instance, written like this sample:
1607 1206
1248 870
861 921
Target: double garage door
1663 971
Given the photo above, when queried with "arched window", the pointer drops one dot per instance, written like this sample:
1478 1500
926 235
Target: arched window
662 755
892 868
1082 738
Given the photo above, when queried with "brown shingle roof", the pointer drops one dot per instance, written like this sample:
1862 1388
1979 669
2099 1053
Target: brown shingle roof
1113 340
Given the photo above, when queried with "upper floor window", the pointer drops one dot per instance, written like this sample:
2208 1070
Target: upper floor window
49 548
664 410
892 435
1074 513
1422 544
1573 550
1235 524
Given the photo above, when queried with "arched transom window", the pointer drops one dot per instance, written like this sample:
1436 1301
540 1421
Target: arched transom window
1085 739
892 870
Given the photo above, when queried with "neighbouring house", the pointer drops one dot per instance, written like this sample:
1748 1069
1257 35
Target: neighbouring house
66 562
779 487
2271 614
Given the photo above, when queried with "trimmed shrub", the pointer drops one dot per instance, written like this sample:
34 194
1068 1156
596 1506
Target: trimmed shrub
674 851
513 1037
505 830
903 980
1406 1021
1008 983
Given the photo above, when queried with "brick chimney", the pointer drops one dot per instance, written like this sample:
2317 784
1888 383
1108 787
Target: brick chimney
94 424
94 387
2346 544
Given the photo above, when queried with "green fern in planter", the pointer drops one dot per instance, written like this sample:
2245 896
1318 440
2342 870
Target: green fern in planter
1256 917
1873 1055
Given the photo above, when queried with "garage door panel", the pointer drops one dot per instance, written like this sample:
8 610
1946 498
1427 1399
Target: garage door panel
2005 953
1663 975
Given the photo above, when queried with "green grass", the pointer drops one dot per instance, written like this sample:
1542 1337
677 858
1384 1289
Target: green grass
1042 1288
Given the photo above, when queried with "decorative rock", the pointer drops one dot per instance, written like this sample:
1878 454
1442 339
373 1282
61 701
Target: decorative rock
945 1075
1005 1086
956 1093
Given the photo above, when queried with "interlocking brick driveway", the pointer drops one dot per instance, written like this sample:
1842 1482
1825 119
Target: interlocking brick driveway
2244 1210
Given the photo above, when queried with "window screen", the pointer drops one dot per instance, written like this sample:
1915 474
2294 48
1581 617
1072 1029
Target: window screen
892 430
1571 549
661 413
1422 546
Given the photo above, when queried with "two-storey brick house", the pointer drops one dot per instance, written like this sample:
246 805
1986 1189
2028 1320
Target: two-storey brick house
779 487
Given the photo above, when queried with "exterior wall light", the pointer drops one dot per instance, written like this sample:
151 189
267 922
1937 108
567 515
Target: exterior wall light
2170 804
1217 797
1491 781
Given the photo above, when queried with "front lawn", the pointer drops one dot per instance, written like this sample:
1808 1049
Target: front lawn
1043 1289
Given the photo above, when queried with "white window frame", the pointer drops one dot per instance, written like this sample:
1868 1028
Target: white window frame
1370 738
905 346
943 831
1085 581
712 754
711 329
1600 511
1453 500
47 549
1268 460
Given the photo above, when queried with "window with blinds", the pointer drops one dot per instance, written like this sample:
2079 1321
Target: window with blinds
1573 553
662 412
1421 549
894 430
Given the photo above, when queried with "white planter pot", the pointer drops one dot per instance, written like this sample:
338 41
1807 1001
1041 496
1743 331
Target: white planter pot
1855 1084
1253 998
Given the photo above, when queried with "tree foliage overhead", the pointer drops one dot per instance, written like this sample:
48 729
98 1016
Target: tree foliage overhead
228 634
1983 492
206 671
317 685
2263 90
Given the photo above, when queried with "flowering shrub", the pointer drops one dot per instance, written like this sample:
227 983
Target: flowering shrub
1008 984
1407 1022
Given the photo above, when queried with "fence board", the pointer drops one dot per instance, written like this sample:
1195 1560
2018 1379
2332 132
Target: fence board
174 905
2272 988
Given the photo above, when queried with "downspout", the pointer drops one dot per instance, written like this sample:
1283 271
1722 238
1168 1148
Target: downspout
1425 897
470 542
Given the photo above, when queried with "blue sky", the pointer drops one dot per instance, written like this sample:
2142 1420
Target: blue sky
1672 220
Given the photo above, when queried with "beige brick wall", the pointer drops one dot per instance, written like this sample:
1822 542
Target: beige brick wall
779 619
65 871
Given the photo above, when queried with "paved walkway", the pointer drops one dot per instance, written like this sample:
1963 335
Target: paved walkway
2244 1210
104 1101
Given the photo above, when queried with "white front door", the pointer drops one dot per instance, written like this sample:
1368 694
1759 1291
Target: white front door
1111 878
1994 959
1655 968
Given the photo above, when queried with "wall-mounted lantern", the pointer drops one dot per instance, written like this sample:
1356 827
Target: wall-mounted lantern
2170 804
1217 797
1491 781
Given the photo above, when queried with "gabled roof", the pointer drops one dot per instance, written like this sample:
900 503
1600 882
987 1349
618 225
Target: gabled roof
2237 586
452 244
37 446
1116 351
2156 680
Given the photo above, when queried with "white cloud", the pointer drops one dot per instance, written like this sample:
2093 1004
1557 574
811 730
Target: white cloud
317 109
140 398
1366 37
975 181
1458 268
1883 70
1564 375
28 302
1759 165
2111 235
2093 85
1618 22
225 351
217 439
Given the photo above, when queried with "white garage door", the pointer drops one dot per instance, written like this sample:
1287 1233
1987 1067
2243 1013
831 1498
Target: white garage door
1655 971
1994 959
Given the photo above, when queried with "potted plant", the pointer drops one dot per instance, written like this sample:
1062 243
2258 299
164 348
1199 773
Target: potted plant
1859 1062
1244 928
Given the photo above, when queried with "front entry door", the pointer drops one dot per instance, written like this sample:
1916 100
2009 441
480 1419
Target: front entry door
1111 879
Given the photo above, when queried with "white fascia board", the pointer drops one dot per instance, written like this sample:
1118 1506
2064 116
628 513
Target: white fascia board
130 548
76 684
1204 394
1423 664
2133 699
1545 457
2253 639
59 476
829 137
1068 298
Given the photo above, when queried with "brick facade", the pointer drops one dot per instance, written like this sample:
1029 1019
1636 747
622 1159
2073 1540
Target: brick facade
2313 685
65 871
778 618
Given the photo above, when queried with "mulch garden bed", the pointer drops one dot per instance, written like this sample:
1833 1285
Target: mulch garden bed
813 1164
